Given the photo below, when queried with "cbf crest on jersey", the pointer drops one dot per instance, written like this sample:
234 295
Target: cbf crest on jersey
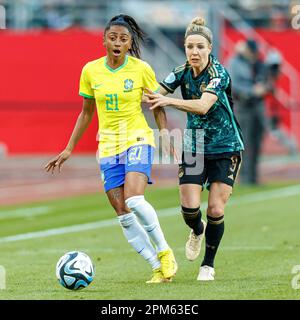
128 85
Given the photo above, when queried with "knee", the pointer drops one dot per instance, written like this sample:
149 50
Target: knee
215 210
120 208
189 202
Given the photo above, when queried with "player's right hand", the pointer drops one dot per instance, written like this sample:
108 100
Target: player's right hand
57 161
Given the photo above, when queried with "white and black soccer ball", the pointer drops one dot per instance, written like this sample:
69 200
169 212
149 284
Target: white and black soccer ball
75 270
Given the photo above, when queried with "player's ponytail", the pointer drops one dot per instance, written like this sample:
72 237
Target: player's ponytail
137 33
197 26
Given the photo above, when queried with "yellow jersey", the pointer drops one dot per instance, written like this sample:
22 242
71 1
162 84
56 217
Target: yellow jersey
118 95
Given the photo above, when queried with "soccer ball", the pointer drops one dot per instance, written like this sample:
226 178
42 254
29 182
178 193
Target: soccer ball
75 270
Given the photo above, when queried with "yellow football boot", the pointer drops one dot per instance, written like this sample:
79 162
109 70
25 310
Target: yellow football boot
168 263
157 277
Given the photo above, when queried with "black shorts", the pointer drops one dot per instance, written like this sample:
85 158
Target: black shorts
201 170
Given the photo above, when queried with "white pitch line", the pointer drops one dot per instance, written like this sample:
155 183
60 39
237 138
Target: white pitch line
266 195
251 198
64 230
111 250
24 212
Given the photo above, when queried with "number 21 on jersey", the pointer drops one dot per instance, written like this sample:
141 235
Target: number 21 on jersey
112 102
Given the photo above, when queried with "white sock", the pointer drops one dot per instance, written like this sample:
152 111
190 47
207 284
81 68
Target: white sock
148 218
138 239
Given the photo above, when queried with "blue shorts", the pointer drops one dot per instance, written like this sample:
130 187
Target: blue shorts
135 159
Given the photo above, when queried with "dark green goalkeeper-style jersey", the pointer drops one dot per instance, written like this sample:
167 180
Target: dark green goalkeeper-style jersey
221 131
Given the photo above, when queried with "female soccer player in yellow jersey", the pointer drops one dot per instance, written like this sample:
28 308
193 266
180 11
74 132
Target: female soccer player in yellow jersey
113 85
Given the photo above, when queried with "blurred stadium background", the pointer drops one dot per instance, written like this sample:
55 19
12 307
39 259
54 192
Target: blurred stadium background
45 43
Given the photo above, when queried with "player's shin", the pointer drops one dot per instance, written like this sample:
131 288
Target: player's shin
138 239
213 235
192 217
148 218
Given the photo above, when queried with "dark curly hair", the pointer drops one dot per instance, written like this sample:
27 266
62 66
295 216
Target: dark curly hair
138 35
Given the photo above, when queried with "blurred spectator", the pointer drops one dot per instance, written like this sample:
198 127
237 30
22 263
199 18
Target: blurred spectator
278 19
55 18
265 14
249 85
273 64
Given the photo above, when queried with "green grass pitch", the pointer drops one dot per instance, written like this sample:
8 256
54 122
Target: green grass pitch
260 247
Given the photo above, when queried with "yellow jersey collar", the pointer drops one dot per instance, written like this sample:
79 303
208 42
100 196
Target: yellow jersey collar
115 70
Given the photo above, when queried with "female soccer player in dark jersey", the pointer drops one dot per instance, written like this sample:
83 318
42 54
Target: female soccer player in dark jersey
113 85
206 91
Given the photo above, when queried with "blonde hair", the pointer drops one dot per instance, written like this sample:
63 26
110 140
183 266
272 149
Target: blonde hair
197 26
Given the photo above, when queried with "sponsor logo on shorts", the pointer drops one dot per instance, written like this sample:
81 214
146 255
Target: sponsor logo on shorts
180 172
103 177
232 168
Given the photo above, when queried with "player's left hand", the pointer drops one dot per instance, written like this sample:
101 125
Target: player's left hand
156 99
57 161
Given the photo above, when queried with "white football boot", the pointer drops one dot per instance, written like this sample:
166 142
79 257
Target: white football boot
206 273
193 245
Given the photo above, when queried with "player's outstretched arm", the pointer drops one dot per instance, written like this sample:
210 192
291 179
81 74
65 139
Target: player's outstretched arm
198 106
82 123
